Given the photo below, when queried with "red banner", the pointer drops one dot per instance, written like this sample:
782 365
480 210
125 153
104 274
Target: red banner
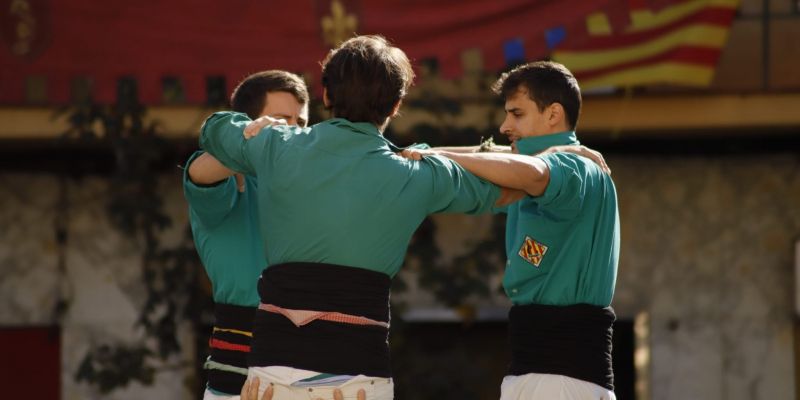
158 41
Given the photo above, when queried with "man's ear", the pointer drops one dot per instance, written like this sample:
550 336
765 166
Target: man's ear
556 115
325 101
396 108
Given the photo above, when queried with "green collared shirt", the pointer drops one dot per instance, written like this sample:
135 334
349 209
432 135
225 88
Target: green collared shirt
563 246
225 229
336 193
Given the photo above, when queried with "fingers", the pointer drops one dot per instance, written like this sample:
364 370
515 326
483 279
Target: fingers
250 389
411 154
254 128
245 390
602 163
597 157
268 393
239 182
337 395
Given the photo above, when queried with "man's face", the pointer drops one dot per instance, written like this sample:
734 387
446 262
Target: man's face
523 118
284 105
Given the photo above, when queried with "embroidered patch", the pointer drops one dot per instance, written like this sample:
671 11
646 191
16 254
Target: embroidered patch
532 251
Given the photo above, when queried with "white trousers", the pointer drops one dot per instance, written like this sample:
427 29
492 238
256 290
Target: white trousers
551 387
207 395
282 379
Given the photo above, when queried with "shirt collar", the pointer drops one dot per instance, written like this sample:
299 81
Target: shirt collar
535 144
364 128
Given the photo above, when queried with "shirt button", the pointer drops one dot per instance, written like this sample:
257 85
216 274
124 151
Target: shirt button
508 262
514 291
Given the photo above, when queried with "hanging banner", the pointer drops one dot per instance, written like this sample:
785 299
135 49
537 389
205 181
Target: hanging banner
61 45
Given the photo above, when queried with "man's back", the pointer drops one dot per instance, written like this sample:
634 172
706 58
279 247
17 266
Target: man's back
336 193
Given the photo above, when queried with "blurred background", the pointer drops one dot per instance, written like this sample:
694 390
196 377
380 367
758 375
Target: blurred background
695 105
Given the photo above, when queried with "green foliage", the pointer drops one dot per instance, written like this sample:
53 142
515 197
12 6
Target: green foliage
135 208
112 367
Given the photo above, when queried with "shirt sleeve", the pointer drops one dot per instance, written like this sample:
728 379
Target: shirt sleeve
222 136
567 187
209 204
500 210
457 190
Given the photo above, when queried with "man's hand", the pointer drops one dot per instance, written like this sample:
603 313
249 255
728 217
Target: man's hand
254 128
416 154
337 395
250 392
581 151
239 182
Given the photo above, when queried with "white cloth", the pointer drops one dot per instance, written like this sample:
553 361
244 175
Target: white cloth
551 387
207 395
282 379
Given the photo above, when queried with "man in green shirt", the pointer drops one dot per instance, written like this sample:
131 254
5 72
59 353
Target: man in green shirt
562 240
223 215
342 208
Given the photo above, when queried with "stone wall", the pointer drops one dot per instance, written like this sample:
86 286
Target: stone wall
102 282
707 255
707 252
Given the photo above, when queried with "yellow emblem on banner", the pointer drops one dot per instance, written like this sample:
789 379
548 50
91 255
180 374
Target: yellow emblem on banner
339 26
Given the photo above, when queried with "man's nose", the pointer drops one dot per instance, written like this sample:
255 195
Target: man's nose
504 129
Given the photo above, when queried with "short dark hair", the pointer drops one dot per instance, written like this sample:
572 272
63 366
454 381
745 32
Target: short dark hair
365 77
250 95
547 82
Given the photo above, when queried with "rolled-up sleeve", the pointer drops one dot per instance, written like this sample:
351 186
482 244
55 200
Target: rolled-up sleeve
209 204
456 190
222 136
565 191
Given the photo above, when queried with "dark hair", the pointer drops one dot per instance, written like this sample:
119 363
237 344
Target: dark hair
365 77
250 95
547 82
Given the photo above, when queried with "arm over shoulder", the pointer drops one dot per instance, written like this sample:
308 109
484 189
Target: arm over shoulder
456 190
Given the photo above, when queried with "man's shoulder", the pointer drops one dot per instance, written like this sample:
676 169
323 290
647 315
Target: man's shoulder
572 162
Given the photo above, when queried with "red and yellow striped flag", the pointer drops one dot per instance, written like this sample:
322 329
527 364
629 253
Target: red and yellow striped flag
679 43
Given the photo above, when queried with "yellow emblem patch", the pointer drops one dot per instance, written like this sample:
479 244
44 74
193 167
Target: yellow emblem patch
532 251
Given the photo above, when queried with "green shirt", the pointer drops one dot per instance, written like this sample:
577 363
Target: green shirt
225 229
563 246
337 194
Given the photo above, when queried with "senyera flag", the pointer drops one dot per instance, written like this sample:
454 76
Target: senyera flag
675 43
186 51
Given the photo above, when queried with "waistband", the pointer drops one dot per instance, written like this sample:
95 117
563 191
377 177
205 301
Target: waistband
229 344
323 301
572 340
305 317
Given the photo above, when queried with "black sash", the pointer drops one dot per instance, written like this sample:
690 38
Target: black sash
323 346
573 341
233 322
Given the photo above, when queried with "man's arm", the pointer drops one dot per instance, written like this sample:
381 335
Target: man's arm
508 196
475 149
222 136
207 170
513 171
486 146
208 204
582 151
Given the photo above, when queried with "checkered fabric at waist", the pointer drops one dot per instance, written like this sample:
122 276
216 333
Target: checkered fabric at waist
304 317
